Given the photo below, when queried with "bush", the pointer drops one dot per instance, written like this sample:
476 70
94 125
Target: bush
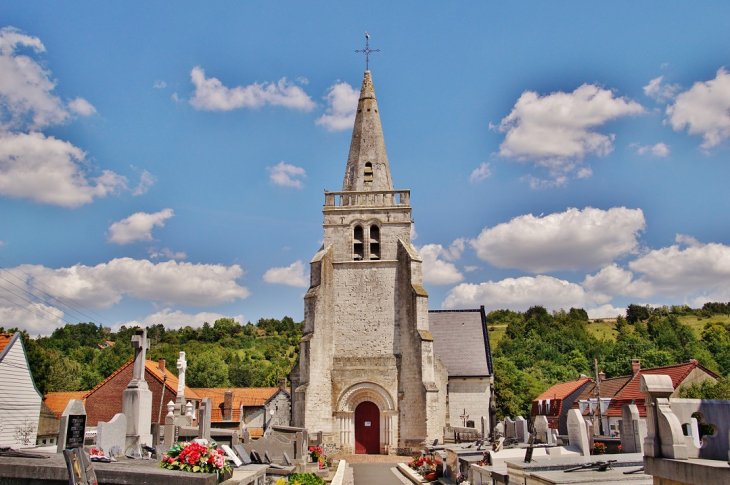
305 479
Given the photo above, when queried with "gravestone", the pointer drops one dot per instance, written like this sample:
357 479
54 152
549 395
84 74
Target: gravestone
577 433
80 471
112 436
243 454
182 366
499 429
541 428
137 397
231 456
589 433
509 428
632 439
72 428
521 426
204 417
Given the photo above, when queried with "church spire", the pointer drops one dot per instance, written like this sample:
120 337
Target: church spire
367 163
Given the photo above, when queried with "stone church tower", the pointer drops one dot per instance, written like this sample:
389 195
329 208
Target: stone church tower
367 375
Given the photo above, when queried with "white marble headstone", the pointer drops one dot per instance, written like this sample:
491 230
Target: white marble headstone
577 433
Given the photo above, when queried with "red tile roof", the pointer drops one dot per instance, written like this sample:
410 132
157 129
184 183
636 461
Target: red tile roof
563 389
630 393
57 401
242 396
5 340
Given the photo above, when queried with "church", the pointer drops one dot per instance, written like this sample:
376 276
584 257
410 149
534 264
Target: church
368 377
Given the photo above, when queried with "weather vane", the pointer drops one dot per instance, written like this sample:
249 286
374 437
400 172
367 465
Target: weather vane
367 50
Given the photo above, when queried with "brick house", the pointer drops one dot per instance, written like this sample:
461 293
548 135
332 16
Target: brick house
105 400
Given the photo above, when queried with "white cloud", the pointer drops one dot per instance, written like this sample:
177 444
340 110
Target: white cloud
25 86
292 275
606 311
146 180
159 84
570 240
613 280
177 319
658 150
166 253
341 107
435 270
49 171
33 165
35 318
557 131
471 269
168 282
81 107
212 95
661 92
704 110
519 294
138 226
480 173
285 175
678 272
414 234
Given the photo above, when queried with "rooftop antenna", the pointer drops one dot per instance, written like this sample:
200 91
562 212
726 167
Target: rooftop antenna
367 50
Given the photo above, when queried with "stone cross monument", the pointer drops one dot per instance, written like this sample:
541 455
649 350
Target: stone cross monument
137 397
182 366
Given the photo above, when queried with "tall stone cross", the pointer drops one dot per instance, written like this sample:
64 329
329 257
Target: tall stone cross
464 417
140 343
182 365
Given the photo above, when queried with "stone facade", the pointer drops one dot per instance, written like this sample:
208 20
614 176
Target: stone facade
366 335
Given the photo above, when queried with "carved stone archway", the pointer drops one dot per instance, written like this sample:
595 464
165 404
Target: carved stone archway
345 414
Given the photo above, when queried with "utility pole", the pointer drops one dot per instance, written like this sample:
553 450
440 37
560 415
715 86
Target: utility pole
598 395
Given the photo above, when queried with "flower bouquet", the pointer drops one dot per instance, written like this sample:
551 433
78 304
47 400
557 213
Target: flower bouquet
599 448
196 458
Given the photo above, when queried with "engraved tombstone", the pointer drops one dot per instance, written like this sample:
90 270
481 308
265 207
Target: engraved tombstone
541 428
111 437
577 433
521 430
72 428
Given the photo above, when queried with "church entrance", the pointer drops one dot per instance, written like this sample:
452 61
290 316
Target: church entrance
367 428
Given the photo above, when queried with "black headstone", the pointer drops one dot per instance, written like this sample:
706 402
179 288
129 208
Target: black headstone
75 430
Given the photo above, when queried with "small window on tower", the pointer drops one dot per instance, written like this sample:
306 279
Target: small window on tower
368 172
374 242
358 248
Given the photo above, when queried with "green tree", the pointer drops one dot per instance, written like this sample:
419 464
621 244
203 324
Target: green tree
207 369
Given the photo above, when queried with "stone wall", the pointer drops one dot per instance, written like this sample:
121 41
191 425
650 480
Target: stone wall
470 394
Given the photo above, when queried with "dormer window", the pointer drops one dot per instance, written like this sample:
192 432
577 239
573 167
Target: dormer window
368 172
358 247
374 242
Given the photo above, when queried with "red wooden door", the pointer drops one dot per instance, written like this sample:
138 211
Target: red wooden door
367 428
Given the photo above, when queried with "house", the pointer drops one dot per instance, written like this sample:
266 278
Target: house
461 342
250 408
619 391
555 402
20 400
105 400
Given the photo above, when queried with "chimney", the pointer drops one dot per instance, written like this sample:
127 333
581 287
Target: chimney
693 361
228 405
161 365
282 382
601 376
635 366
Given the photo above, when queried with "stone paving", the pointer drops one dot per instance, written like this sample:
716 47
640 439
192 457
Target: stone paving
381 473
373 458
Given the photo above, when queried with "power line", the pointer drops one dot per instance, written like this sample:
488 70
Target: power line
34 296
31 311
52 289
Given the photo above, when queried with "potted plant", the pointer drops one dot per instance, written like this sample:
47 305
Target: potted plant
196 458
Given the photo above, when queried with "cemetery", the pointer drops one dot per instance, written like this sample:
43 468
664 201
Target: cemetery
377 374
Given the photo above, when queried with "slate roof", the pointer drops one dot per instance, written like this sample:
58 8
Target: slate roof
57 401
461 341
609 388
242 396
563 389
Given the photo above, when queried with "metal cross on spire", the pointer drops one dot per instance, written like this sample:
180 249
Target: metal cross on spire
367 50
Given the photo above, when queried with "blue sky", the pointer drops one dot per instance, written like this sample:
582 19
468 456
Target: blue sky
166 163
